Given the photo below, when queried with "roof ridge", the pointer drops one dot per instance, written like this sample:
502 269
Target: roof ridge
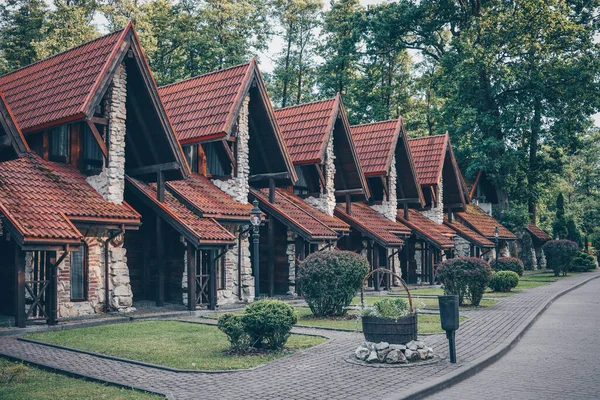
306 104
206 74
63 52
376 122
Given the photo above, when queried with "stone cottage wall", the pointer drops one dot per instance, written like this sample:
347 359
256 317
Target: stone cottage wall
436 214
238 186
291 256
462 247
110 183
389 208
326 200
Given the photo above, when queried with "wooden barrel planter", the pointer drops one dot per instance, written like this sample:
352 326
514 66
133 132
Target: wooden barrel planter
395 331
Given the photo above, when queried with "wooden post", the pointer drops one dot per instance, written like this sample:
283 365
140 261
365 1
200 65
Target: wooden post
160 251
432 258
406 260
19 287
375 250
348 205
271 190
406 211
271 241
191 276
386 265
52 276
212 267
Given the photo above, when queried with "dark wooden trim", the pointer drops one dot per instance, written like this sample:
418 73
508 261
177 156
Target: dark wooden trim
264 177
153 168
460 206
271 190
348 204
321 177
11 129
212 267
191 277
271 265
231 157
409 200
98 138
345 192
160 261
99 120
20 315
160 186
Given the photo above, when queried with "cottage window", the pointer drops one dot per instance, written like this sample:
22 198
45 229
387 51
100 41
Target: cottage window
59 144
92 154
79 274
191 155
301 186
221 273
214 159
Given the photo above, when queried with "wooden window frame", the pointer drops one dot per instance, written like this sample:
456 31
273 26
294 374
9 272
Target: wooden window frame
85 266
59 158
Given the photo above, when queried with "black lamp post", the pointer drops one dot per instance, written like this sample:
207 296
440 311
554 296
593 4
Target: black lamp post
496 235
255 215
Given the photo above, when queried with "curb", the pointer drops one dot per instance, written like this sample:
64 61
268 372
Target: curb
473 367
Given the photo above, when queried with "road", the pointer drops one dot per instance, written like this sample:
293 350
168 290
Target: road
557 358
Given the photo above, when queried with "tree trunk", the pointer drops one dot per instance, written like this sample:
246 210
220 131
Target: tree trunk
287 66
532 175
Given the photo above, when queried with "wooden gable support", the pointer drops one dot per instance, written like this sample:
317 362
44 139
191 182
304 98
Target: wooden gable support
384 184
321 177
348 205
263 177
99 120
271 190
153 168
231 157
98 137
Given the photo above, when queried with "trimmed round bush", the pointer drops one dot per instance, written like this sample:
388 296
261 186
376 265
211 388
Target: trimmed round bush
583 262
504 281
508 264
559 254
268 323
232 326
465 277
329 280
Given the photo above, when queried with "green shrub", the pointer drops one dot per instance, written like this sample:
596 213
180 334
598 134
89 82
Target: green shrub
268 323
329 280
504 281
232 326
389 308
465 276
508 264
559 254
583 262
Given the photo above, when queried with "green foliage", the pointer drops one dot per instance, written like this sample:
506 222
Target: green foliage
503 281
508 264
389 308
516 218
328 280
268 323
559 226
465 277
583 262
559 254
233 326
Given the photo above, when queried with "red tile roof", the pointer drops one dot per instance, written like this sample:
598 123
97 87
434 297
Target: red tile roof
202 107
59 87
372 224
42 200
375 144
439 235
428 155
306 129
205 230
468 234
312 223
538 233
198 192
483 223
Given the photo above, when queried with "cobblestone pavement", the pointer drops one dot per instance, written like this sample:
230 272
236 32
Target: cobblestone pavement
556 359
317 373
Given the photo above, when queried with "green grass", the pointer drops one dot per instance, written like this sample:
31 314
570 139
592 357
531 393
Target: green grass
421 302
545 277
169 343
33 383
525 284
428 323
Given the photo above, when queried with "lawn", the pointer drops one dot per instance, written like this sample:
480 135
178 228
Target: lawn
34 383
428 323
169 343
421 302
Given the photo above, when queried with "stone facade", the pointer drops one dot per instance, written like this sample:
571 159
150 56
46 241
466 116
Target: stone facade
436 214
389 208
326 200
462 247
110 183
229 294
238 186
291 256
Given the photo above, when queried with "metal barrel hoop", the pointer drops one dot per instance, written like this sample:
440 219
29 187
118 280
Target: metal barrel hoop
387 271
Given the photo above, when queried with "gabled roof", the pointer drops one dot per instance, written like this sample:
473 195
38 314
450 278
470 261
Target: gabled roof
9 128
468 234
373 225
376 144
483 223
201 195
205 108
307 129
438 235
198 230
487 187
537 233
294 212
42 200
68 86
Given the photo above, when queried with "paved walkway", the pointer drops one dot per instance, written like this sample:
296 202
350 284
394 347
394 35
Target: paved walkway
316 373
558 358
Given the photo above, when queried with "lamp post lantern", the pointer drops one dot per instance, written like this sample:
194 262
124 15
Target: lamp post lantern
255 215
496 236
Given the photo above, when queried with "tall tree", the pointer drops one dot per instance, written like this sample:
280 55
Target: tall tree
20 24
